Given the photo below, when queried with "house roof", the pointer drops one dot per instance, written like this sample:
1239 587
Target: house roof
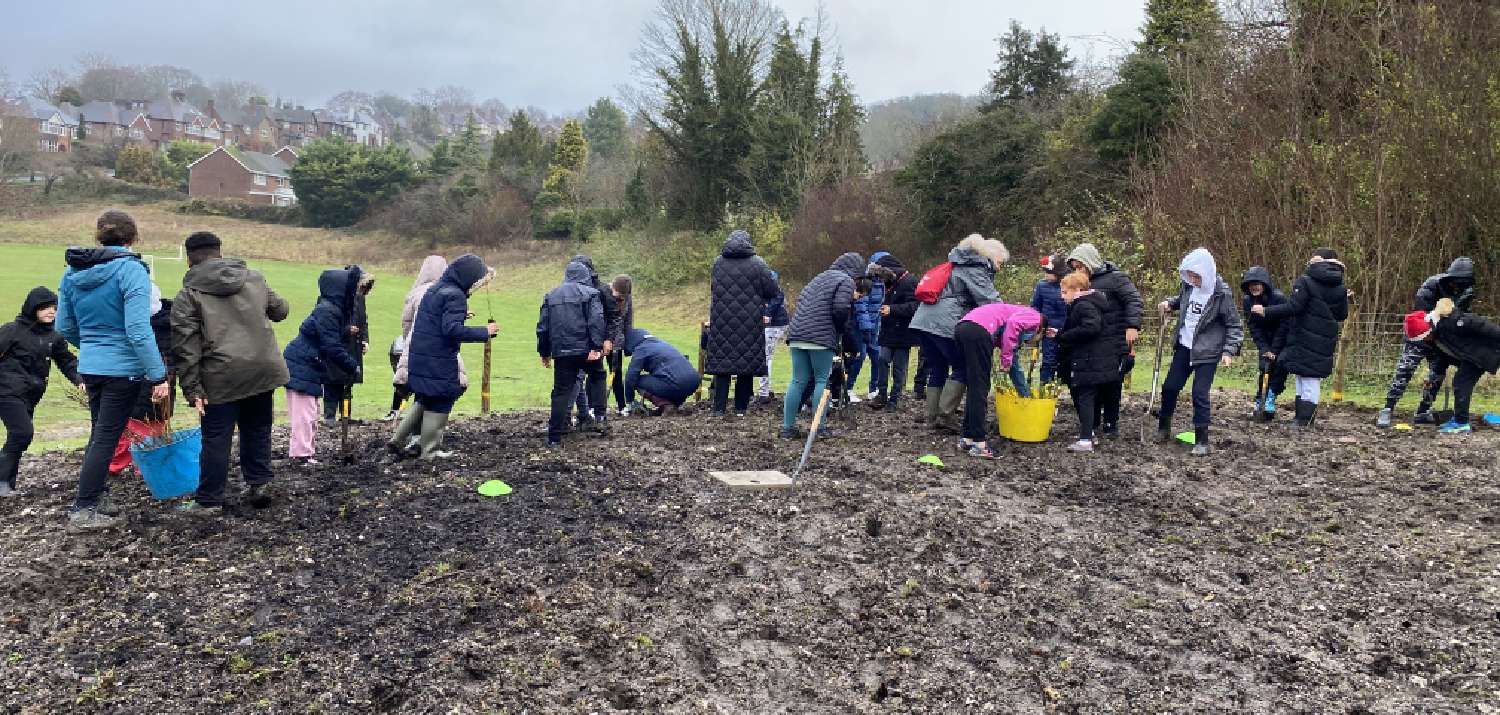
44 111
290 114
253 161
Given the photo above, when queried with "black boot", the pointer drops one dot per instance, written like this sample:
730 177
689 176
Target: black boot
1304 412
1200 441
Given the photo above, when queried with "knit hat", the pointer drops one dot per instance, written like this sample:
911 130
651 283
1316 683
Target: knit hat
889 261
1058 265
1418 327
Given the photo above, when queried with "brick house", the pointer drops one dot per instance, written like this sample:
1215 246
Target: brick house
173 118
234 173
51 128
104 122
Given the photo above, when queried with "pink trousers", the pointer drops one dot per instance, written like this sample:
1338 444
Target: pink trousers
304 411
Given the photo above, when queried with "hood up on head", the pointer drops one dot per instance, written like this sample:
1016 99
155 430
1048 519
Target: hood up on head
1257 274
587 263
850 263
738 245
468 271
577 273
334 286
1089 256
989 249
1328 271
39 297
218 276
889 262
634 338
1460 275
431 270
1200 261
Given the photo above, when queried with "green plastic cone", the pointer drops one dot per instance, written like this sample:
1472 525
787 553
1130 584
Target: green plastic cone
494 488
931 459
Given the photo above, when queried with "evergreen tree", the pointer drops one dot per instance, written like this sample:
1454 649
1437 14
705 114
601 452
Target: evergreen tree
565 173
1029 67
468 150
605 129
1172 25
338 181
637 200
844 153
520 147
443 161
1135 109
787 118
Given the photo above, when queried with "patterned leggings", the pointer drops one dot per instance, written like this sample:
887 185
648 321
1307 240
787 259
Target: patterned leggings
1413 352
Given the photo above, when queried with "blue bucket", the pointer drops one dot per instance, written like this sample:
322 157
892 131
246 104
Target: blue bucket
170 466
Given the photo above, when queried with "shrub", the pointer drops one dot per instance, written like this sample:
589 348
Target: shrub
236 208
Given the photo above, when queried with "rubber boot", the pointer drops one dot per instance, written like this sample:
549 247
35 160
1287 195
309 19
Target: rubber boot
1200 441
949 400
432 435
1304 412
1384 418
934 395
1269 412
408 428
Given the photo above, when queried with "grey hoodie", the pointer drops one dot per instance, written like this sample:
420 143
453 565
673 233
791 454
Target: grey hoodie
223 346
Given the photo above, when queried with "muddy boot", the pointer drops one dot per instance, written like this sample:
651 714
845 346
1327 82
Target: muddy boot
948 403
432 435
1304 413
1163 435
1384 418
399 446
1200 441
931 403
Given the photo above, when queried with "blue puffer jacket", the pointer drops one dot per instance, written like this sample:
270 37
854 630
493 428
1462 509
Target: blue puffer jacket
1046 298
438 330
320 340
104 308
572 322
675 376
867 309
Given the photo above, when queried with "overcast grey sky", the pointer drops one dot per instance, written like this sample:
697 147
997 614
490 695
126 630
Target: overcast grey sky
556 54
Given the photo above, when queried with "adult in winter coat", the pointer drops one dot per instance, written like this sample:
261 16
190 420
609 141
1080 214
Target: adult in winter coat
971 285
867 329
776 320
104 308
1318 306
819 326
661 373
319 343
1123 316
1046 298
357 341
1088 352
1207 337
433 368
740 286
1258 289
28 348
896 336
1457 285
427 276
593 393
1465 339
570 334
997 325
224 351
620 289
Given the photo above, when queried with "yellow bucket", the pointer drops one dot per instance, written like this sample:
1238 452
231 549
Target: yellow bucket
1024 419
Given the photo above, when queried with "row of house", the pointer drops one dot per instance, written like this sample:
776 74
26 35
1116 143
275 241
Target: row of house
254 127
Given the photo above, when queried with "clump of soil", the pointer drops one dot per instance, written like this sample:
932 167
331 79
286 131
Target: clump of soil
1343 570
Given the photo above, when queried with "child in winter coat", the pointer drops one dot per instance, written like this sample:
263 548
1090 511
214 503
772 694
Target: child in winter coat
1465 339
997 325
1456 284
341 384
319 343
1316 310
896 336
661 373
867 328
776 319
427 276
570 335
1207 337
621 288
1258 289
1046 298
434 372
1089 352
28 348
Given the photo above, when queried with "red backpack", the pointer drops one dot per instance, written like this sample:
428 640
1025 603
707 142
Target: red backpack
930 288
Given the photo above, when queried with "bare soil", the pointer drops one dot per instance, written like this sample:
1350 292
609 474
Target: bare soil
1348 570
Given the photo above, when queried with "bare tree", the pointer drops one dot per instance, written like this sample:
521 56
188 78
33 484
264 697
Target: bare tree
350 100
236 93
44 84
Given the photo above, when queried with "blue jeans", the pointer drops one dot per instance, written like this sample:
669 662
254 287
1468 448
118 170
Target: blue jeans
1049 360
890 368
944 361
1017 373
808 366
866 341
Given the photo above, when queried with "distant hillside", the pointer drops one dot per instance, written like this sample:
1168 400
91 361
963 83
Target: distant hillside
895 127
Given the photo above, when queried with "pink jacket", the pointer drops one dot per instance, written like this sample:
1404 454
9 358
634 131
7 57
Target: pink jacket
1014 319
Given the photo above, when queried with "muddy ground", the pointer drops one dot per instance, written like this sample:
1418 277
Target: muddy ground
1348 571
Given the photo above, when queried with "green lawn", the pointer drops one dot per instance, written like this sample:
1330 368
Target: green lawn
518 381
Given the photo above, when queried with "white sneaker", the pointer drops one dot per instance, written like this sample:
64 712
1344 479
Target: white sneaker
390 416
1082 445
854 399
872 394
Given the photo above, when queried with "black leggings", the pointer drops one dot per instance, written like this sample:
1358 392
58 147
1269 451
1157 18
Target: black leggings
978 348
401 391
616 361
744 387
16 413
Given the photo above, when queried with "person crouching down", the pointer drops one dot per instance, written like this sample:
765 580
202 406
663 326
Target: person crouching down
1089 352
1208 337
570 335
661 374
319 342
432 366
997 325
1469 340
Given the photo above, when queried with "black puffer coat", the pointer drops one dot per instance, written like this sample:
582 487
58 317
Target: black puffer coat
825 305
1457 284
1316 309
28 349
895 327
1469 338
1090 351
741 286
1264 330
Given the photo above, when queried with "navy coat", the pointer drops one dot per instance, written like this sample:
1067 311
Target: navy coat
571 322
320 339
438 330
675 377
